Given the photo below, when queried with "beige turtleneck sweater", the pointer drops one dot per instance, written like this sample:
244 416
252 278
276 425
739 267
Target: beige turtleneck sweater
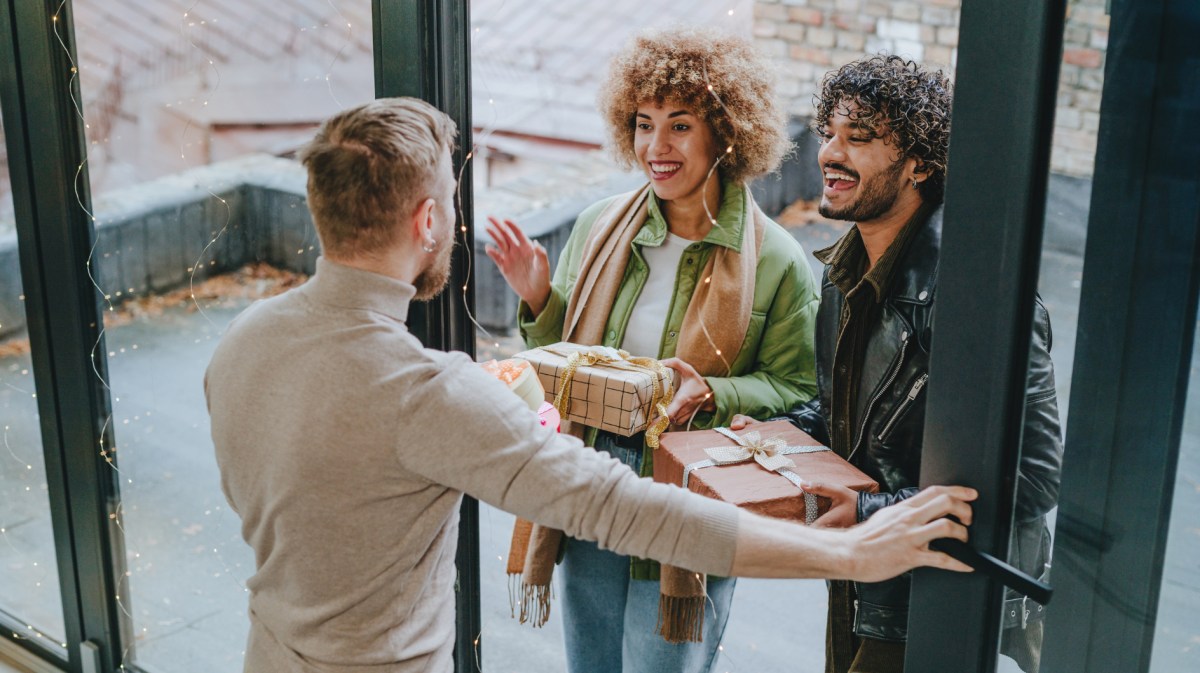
346 447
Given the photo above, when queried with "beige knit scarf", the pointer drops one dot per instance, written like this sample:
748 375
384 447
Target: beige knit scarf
713 330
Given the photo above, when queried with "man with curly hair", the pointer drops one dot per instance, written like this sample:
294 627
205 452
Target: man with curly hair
884 125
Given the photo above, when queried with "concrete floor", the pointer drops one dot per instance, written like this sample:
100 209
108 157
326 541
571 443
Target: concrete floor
187 562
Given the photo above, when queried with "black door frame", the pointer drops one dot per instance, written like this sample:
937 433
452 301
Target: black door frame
423 50
55 233
1135 330
997 173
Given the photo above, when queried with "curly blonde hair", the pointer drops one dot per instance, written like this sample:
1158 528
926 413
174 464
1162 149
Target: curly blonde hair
679 65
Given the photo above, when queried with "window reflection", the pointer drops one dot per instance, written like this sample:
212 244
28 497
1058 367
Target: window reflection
194 111
1177 635
30 598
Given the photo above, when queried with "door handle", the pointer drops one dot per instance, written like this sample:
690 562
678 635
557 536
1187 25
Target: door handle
998 570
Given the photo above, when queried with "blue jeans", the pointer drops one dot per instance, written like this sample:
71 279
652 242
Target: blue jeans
610 620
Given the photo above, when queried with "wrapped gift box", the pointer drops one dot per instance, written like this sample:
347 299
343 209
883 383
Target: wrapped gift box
616 395
748 484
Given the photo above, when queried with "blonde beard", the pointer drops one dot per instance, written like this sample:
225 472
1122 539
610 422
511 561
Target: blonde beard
433 278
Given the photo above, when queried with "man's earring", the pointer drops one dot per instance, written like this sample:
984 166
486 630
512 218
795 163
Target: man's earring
428 245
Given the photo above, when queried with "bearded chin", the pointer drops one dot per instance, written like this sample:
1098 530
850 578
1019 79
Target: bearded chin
433 279
877 197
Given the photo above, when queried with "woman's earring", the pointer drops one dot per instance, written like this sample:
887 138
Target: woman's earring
914 183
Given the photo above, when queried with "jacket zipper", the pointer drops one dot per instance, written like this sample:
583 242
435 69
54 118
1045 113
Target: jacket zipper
912 395
875 398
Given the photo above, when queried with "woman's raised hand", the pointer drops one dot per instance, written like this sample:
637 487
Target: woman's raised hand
522 262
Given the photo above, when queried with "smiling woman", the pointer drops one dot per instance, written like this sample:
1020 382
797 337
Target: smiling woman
686 268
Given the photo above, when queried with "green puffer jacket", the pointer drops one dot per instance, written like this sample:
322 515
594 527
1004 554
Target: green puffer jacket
775 368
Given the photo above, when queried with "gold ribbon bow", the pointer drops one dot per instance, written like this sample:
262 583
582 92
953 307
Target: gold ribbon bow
605 356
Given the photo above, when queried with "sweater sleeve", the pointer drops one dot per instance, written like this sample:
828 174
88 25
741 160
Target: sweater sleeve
495 450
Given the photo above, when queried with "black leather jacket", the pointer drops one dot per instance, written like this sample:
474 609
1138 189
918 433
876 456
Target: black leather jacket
887 442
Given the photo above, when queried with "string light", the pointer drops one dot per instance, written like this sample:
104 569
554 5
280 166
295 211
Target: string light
468 161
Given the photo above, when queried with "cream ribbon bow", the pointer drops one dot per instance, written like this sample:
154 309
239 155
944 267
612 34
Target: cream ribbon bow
771 453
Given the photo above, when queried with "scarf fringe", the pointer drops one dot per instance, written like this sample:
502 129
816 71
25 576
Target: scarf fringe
681 618
534 601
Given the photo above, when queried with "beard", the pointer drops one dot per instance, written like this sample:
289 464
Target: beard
433 278
876 198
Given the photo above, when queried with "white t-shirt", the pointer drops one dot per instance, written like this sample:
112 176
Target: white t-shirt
643 334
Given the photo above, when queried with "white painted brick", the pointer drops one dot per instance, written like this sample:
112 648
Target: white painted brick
792 32
821 37
939 16
773 47
1069 118
938 55
843 56
906 11
876 44
851 40
788 87
899 30
766 28
1091 80
770 12
805 72
1058 160
910 49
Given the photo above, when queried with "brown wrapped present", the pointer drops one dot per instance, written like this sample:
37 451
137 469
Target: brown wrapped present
737 468
605 388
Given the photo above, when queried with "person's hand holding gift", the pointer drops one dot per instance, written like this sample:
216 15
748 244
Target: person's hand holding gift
692 396
741 422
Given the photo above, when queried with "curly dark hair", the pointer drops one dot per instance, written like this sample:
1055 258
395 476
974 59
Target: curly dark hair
902 102
679 64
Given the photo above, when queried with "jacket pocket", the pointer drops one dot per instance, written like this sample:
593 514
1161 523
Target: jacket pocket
902 409
748 353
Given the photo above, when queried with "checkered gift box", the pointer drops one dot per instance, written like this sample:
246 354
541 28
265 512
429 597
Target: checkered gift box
602 387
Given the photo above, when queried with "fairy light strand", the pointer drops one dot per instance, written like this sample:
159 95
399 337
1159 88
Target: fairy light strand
477 142
338 56
183 32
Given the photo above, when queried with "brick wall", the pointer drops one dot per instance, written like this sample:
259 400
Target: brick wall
807 38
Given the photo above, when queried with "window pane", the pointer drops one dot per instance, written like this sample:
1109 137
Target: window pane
1177 634
1177 640
194 112
30 598
1067 204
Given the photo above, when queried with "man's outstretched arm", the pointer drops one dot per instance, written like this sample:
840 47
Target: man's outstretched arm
893 541
501 455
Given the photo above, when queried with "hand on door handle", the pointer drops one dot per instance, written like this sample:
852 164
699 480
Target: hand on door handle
996 569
